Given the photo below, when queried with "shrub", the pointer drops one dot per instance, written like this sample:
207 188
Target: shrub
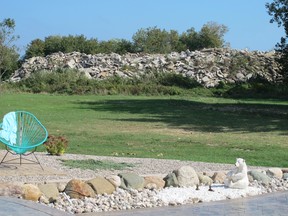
56 145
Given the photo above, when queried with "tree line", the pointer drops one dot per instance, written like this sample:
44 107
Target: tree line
146 40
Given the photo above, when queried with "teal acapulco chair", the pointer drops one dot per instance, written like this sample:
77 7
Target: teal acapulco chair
22 133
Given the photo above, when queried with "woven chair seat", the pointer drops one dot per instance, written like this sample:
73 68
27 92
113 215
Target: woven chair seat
21 133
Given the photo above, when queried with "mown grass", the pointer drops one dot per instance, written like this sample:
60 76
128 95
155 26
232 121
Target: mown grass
169 127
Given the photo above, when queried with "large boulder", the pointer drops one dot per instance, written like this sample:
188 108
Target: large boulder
260 176
131 180
115 180
204 179
78 189
186 176
31 192
219 177
275 173
153 182
171 180
100 185
50 191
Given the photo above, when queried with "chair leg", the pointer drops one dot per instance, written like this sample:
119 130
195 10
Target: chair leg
21 158
38 161
4 157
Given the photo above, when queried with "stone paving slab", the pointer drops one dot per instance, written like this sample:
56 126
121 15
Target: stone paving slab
266 205
16 207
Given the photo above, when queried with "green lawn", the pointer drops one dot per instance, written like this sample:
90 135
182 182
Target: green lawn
184 128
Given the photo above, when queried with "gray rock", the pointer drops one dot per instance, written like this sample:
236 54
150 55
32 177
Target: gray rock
171 180
259 176
186 176
285 176
204 179
131 180
208 66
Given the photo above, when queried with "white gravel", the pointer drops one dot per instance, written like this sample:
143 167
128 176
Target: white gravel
183 195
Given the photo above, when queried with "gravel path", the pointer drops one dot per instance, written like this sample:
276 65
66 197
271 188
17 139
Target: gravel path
142 166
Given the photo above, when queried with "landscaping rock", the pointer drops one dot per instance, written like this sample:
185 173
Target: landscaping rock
186 176
31 192
61 186
115 180
7 189
171 180
219 177
259 176
100 185
50 191
275 173
153 182
78 189
285 176
131 180
204 179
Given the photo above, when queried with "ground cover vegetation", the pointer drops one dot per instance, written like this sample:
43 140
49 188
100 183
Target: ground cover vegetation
97 164
170 127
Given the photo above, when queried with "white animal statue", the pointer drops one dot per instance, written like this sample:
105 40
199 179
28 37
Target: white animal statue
237 178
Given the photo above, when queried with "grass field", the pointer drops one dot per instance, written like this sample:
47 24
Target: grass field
184 128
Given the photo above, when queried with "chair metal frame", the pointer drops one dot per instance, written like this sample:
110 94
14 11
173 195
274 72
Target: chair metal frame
30 134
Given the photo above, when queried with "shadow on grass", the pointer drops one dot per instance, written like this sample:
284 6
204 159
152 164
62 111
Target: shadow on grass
198 116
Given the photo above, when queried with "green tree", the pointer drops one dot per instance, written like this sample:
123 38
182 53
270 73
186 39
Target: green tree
53 44
111 46
66 44
8 50
35 48
211 35
91 46
278 9
189 39
155 40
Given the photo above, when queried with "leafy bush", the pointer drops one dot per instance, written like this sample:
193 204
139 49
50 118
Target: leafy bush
56 145
72 82
173 79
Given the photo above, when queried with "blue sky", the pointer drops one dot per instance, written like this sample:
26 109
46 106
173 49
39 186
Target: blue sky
247 20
